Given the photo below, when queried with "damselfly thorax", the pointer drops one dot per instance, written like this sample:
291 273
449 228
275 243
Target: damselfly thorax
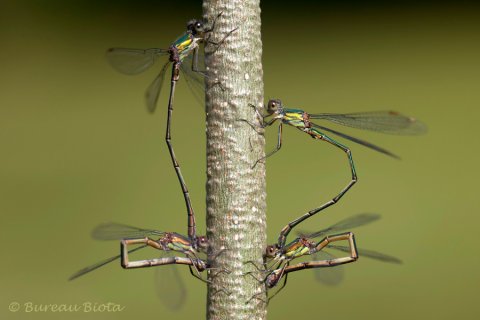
183 47
176 242
296 118
298 247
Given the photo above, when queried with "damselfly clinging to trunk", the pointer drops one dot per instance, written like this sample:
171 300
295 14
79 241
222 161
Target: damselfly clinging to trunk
390 122
306 245
165 242
183 54
169 244
301 247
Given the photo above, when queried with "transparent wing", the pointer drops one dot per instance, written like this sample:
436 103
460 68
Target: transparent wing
330 276
100 264
390 122
170 287
355 221
118 231
369 254
356 140
133 61
195 80
153 91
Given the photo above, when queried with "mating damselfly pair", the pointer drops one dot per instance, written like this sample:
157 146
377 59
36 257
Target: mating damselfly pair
184 55
389 122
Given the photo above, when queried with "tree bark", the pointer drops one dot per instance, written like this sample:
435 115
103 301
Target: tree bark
236 193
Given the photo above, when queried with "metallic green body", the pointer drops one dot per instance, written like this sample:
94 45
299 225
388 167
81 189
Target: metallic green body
185 44
179 243
294 117
296 248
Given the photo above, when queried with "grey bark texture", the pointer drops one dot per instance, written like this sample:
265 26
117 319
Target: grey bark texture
236 193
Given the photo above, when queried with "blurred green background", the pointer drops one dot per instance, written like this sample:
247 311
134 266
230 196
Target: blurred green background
79 149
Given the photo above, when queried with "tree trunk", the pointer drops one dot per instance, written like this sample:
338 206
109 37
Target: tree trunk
236 219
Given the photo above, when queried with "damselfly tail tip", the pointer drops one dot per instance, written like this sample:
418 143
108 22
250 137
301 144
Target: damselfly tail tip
395 156
388 153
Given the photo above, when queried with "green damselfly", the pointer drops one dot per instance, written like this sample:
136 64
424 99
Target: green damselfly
280 258
301 247
184 54
390 122
165 242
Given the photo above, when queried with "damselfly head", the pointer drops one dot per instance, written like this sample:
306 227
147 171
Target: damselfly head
196 27
271 251
202 243
274 106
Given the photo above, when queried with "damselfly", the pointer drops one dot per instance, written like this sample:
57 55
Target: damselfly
390 122
299 248
165 242
168 243
306 245
183 54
